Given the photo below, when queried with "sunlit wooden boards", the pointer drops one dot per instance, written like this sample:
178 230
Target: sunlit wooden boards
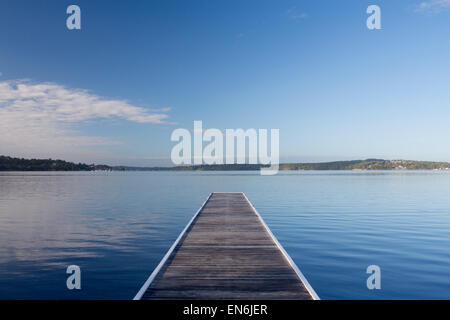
226 252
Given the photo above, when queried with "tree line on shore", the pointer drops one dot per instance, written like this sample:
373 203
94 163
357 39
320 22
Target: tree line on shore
20 164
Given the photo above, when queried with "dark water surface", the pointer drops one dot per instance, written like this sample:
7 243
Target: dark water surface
117 226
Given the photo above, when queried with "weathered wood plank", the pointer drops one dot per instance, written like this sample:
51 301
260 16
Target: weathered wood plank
226 252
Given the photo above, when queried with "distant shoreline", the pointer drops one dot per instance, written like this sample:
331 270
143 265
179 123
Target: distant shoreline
19 164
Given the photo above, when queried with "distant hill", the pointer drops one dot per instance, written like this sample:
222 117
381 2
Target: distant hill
18 164
369 164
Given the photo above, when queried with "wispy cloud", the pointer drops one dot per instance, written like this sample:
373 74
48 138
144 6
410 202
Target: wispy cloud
42 118
295 14
435 6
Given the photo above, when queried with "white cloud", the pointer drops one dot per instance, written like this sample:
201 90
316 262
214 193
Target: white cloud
295 14
41 119
433 5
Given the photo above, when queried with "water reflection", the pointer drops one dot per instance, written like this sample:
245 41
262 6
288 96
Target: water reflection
117 226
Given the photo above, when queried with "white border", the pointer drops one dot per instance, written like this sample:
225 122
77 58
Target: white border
166 257
286 255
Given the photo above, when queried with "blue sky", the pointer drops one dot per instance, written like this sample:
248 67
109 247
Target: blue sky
114 91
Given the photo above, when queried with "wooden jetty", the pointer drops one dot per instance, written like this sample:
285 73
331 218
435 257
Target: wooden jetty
226 252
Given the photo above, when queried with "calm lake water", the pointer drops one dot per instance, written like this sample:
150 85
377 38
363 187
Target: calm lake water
117 226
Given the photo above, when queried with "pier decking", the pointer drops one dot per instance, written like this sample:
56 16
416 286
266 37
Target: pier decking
226 252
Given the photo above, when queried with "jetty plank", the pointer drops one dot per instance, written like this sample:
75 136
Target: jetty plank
227 252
